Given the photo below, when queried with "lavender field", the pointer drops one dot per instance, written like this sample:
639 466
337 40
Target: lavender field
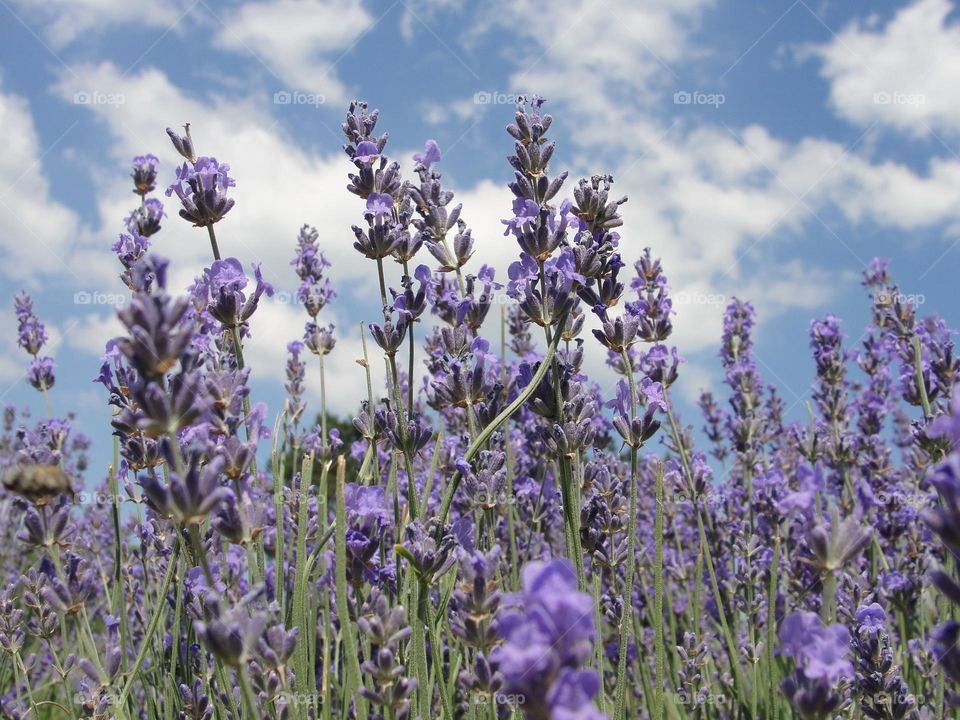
520 516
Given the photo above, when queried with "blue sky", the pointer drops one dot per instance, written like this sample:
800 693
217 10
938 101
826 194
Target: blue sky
769 150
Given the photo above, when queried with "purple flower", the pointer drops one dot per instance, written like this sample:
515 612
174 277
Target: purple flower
871 619
144 174
821 652
202 189
318 339
366 505
130 248
548 633
366 152
232 635
145 220
40 373
31 334
222 288
429 156
947 426
380 204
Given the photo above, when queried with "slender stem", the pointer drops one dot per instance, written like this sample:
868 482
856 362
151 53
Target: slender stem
301 579
213 242
412 351
119 598
600 650
201 555
154 621
772 625
419 646
571 509
827 609
277 460
47 402
405 440
323 400
485 434
249 699
658 595
351 656
366 367
621 684
732 651
918 370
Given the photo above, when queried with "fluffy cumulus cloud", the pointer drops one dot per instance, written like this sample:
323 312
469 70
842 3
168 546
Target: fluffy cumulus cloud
717 202
298 42
35 229
247 132
61 22
582 51
904 74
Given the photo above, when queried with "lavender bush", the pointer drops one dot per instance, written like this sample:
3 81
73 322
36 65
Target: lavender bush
497 535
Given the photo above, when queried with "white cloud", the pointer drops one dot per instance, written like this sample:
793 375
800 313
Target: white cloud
36 231
580 51
65 21
279 187
90 332
297 41
905 75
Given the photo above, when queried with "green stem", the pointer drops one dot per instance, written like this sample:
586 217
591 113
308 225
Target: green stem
918 371
827 611
772 625
658 595
485 434
301 578
351 658
621 684
366 367
732 650
154 621
249 699
323 400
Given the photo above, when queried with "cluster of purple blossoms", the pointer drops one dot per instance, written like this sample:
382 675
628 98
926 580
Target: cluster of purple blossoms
201 184
821 655
32 336
548 636
503 532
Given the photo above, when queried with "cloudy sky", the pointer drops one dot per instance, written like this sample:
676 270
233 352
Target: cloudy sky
769 150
